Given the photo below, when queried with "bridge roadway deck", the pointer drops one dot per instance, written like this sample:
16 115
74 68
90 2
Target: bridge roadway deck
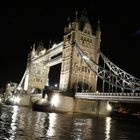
120 97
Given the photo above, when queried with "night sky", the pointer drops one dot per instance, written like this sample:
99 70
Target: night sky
29 23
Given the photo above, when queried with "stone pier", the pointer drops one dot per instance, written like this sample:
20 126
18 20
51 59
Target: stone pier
60 103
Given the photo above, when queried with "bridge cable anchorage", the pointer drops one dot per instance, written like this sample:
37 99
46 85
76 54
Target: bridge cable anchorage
114 76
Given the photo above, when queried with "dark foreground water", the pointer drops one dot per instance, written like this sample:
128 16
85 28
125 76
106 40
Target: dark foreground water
21 123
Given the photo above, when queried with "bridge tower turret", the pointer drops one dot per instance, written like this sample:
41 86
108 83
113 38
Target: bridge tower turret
33 53
75 74
37 70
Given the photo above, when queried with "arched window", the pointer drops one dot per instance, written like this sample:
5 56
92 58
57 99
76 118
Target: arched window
87 29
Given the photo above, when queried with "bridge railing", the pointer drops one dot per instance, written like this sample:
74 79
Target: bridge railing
107 94
123 97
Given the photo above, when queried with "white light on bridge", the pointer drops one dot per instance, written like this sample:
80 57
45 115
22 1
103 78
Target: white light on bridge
54 46
55 100
97 91
43 51
85 57
55 85
15 100
109 107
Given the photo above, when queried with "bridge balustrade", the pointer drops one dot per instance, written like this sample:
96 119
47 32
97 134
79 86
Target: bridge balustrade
126 97
108 94
137 94
125 94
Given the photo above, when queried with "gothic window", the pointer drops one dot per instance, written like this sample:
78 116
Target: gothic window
39 72
78 68
88 70
37 80
68 37
87 28
85 31
90 40
78 55
82 68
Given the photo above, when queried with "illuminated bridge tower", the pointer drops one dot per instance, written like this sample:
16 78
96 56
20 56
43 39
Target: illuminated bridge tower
75 74
38 70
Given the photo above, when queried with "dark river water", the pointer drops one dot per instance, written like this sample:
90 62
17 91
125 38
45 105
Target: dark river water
21 123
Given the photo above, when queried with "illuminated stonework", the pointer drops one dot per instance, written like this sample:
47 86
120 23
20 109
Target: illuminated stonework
75 74
38 70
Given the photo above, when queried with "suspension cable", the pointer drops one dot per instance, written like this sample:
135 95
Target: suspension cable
118 70
102 71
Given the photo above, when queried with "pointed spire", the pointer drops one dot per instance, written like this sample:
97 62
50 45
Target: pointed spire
34 45
29 59
98 26
33 51
30 48
84 17
76 16
84 12
41 44
98 31
49 46
68 19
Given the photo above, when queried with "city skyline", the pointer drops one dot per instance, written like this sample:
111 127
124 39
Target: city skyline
34 22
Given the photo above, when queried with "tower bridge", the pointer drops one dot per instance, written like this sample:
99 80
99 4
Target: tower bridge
80 55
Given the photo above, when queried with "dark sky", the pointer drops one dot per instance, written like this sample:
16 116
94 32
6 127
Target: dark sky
26 23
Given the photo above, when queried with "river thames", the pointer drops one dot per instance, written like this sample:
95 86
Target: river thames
22 123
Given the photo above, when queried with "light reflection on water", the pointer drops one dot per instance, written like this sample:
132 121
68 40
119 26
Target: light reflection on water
14 122
52 124
21 123
107 128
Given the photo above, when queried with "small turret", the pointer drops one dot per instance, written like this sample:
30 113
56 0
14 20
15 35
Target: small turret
83 20
40 49
76 16
76 24
98 31
33 53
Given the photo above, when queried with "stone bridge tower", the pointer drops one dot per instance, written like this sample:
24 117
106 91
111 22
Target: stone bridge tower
75 74
38 70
